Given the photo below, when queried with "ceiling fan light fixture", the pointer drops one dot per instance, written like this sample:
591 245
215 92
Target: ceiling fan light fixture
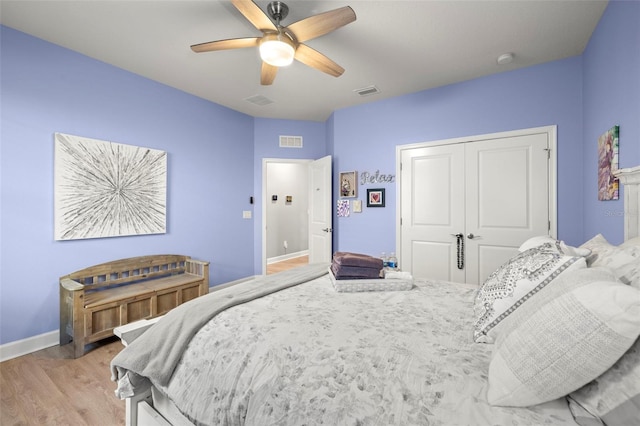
277 50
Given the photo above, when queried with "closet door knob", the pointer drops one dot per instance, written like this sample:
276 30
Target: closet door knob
470 236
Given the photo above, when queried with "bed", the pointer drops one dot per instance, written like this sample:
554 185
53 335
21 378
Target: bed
288 349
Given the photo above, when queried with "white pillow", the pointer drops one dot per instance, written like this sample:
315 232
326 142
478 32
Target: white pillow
563 283
564 345
624 259
615 396
514 283
559 245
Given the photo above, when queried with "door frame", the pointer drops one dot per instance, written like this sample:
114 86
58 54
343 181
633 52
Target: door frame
265 163
550 131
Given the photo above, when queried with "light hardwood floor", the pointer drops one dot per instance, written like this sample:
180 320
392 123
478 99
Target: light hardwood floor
287 264
49 387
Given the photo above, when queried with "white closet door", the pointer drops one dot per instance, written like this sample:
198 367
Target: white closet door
507 199
494 191
432 209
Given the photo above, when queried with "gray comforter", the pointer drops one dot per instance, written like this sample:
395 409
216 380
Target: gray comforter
309 355
153 356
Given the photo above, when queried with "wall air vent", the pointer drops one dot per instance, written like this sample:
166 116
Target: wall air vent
259 100
290 141
366 91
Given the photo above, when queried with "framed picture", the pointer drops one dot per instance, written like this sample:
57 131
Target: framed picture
375 197
343 208
107 189
357 206
348 184
608 144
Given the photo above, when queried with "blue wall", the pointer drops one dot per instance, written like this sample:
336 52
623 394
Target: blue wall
611 96
532 97
215 154
267 134
47 89
584 96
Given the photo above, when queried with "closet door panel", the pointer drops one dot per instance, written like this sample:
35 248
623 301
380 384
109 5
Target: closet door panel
432 209
507 199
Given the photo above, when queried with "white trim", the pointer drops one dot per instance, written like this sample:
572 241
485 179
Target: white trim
231 283
30 344
551 132
277 259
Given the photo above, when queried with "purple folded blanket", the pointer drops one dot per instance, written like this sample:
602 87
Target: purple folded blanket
354 272
357 259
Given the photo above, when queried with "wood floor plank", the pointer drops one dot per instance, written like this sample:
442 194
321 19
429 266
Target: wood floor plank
287 264
38 397
50 387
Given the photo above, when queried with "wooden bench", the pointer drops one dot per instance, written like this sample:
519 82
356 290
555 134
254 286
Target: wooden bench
95 300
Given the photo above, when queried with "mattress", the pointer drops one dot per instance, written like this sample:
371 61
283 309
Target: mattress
310 355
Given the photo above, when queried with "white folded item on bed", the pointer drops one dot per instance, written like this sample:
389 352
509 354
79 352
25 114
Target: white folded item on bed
374 284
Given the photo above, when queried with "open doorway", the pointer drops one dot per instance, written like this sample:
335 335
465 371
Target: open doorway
285 209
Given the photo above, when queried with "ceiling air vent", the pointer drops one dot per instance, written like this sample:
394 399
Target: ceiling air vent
259 100
290 141
366 91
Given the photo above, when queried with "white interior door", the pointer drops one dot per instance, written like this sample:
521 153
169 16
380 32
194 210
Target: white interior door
493 191
320 211
507 200
433 206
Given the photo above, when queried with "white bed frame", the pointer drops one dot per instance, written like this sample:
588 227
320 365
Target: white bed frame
140 409
630 178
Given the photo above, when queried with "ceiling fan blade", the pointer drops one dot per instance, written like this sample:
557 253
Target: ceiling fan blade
317 60
232 43
267 74
255 15
321 24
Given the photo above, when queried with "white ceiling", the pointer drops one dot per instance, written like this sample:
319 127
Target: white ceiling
400 46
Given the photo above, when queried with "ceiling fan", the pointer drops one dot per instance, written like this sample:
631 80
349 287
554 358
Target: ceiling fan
280 45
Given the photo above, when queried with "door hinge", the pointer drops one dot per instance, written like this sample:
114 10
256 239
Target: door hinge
548 225
548 153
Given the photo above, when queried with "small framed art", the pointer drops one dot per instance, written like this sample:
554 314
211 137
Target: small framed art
343 208
348 184
375 197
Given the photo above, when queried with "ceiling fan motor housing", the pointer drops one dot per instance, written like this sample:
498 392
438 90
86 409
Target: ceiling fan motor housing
277 11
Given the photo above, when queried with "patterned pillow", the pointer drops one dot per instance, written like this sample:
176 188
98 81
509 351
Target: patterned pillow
624 259
515 282
564 345
615 396
560 246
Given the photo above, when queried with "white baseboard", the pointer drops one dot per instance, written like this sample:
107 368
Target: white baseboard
230 283
287 256
31 344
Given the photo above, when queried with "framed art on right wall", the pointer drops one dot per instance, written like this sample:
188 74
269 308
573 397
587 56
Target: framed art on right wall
608 184
375 197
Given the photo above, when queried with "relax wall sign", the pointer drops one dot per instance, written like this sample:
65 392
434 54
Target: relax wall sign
377 177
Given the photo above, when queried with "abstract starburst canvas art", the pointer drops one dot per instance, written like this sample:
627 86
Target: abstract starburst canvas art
107 189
